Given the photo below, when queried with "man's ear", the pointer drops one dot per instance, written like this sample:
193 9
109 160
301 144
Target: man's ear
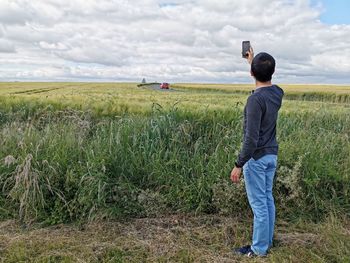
251 73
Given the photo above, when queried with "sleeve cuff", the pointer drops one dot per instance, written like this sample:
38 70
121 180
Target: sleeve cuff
238 165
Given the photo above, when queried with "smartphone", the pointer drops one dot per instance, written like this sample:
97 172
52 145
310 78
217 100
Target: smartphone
245 48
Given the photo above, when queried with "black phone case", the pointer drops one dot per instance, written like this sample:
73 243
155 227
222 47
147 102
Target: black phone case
245 48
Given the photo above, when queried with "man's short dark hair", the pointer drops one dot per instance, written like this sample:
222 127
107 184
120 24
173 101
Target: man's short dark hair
263 67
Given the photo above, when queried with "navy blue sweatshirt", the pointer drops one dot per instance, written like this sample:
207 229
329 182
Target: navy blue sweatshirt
260 117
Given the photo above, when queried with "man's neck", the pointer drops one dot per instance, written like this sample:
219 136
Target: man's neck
259 84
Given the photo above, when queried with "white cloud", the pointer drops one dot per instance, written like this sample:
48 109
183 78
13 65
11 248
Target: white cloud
173 40
6 46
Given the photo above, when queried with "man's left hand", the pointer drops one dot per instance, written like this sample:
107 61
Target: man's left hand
236 174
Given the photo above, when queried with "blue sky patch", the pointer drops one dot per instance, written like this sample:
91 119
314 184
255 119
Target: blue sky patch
168 4
334 11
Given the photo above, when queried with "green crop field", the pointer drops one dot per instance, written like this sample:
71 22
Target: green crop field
116 98
88 154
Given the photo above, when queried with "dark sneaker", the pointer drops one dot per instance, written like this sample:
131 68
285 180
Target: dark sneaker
245 251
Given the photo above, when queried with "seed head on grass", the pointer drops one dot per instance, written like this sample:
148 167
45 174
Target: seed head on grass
9 160
27 189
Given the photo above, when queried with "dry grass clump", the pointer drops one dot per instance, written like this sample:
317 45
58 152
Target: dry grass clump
180 238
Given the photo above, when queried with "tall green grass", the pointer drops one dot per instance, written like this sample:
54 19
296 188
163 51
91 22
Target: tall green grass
66 165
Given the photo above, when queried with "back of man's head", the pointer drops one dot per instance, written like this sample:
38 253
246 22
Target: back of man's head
263 67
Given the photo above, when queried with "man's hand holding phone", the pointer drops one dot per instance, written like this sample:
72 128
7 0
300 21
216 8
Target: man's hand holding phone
247 51
250 55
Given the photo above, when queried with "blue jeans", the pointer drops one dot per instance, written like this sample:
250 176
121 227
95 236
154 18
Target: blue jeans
258 177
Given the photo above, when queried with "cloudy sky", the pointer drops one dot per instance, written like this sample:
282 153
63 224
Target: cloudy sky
172 40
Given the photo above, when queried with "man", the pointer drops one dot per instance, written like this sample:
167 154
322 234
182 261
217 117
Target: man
258 155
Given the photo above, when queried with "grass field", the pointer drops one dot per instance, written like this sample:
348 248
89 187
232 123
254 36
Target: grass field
93 152
116 98
177 238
